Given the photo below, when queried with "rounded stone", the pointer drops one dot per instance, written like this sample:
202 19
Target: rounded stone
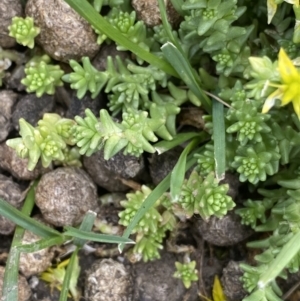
148 11
226 231
8 10
64 195
108 280
64 34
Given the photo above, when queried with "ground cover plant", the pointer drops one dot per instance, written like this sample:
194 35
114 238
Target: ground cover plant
218 80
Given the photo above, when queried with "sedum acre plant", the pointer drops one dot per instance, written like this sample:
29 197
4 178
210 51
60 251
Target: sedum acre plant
186 272
24 31
237 62
41 76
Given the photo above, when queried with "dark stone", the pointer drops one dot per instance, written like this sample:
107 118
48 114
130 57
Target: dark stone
224 231
32 109
109 173
161 165
232 285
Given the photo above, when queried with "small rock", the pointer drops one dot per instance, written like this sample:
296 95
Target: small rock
161 165
64 34
7 100
78 106
232 285
8 10
24 291
13 79
108 280
100 60
64 195
11 193
225 231
234 184
17 167
35 262
32 108
148 11
154 281
108 173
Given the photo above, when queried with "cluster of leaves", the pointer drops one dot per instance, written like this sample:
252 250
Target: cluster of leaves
263 145
152 228
198 196
127 25
129 84
284 223
42 76
24 31
53 136
259 141
49 141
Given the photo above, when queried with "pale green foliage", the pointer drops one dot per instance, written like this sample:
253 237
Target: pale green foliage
24 31
133 134
205 197
55 277
47 141
152 227
129 84
41 76
186 272
255 162
126 24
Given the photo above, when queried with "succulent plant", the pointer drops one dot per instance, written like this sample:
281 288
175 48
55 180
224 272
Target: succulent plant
205 197
24 31
186 272
41 76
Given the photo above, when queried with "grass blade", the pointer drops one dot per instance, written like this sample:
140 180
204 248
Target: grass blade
219 139
42 244
166 25
10 281
86 225
164 145
87 235
25 221
186 73
71 276
178 172
85 10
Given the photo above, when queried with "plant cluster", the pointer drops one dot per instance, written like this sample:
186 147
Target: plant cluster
41 76
151 229
206 198
247 61
283 223
24 31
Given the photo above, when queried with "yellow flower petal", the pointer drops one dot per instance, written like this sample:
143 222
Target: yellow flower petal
290 92
287 70
270 101
296 104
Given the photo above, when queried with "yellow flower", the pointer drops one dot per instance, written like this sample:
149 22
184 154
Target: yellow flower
289 90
